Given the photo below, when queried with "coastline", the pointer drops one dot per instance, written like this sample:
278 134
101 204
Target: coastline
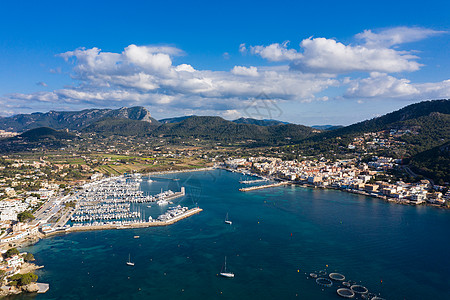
179 171
33 287
351 191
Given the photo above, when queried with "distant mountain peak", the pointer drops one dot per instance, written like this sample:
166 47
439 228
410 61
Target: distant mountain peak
73 119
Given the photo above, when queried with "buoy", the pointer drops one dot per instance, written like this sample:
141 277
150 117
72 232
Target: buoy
298 271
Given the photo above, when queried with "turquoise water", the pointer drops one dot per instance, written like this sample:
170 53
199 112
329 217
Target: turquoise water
278 236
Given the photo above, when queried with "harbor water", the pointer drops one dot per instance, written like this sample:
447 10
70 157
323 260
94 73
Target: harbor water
278 236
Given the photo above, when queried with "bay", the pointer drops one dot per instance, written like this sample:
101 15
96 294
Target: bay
278 236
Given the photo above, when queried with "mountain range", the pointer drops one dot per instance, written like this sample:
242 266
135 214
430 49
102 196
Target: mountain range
427 124
73 120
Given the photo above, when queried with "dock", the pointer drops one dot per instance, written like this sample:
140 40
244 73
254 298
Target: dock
43 287
166 222
253 181
260 187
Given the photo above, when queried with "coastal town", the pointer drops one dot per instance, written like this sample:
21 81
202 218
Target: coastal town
346 175
101 203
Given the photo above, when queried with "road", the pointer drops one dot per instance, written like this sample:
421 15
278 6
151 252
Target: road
412 174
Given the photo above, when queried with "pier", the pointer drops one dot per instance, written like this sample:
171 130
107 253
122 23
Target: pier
153 223
260 187
43 287
253 181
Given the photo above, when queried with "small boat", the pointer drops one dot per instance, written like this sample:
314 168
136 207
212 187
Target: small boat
129 261
228 221
224 272
136 236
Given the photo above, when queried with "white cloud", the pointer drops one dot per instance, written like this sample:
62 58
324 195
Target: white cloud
242 49
41 83
380 85
328 56
251 71
374 54
140 76
185 68
395 36
276 52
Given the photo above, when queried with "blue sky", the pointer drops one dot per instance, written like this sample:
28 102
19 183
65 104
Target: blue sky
317 63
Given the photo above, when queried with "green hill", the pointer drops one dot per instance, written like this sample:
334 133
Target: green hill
43 133
218 129
37 138
265 122
124 127
433 163
174 120
428 123
385 122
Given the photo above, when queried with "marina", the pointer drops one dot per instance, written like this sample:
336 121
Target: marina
171 217
112 202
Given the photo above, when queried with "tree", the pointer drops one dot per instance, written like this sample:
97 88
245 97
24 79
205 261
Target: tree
11 252
28 257
25 216
23 279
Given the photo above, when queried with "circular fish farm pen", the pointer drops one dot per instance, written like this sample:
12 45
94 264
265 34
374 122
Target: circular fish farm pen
359 289
324 282
322 273
313 275
346 283
345 293
337 276
376 298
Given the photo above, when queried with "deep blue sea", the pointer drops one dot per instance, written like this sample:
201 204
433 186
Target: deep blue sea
278 236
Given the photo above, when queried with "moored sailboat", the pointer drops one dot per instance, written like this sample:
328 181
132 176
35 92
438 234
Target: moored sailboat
228 221
224 272
129 262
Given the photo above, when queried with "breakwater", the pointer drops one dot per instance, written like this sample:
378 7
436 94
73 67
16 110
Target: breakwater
153 223
260 187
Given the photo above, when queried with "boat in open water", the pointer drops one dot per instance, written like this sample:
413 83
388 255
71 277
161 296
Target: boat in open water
129 262
224 272
228 221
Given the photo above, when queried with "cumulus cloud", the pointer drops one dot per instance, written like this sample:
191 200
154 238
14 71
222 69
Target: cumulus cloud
140 75
276 52
395 36
41 83
328 56
374 54
152 76
381 85
251 71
